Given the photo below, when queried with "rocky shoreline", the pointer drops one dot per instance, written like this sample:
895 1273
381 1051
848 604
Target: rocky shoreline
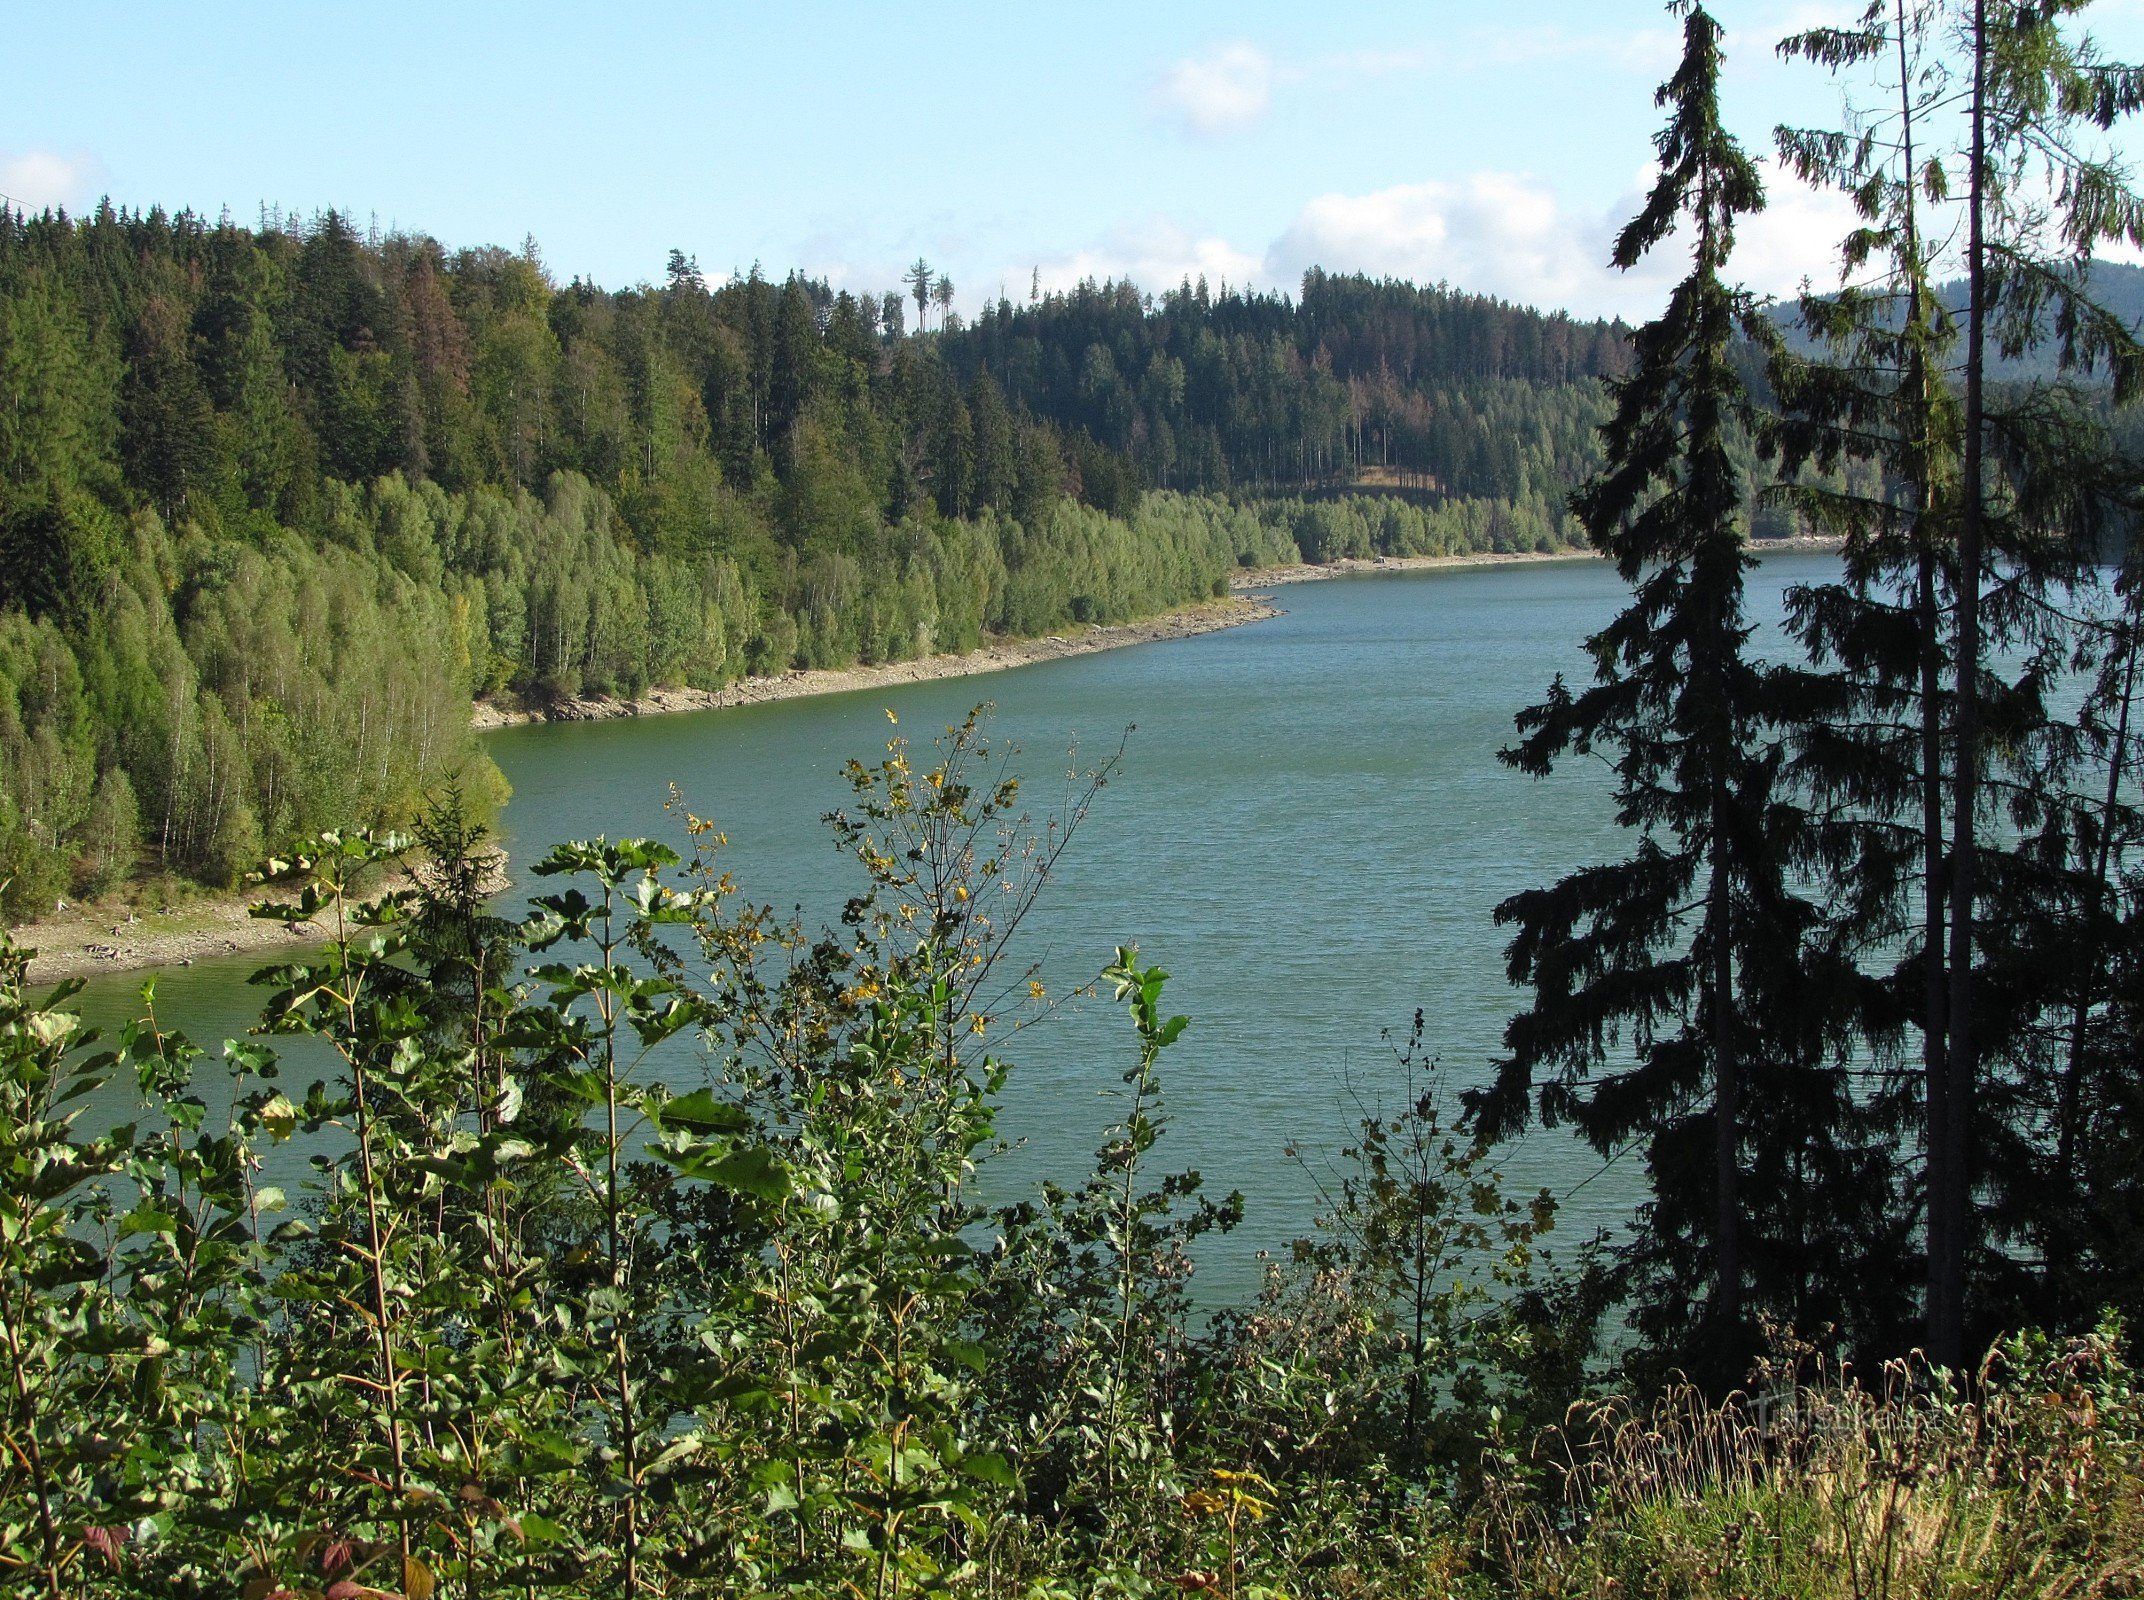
84 941
122 935
1304 572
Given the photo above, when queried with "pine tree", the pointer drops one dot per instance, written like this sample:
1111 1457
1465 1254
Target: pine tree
171 443
795 354
2026 484
1873 413
56 452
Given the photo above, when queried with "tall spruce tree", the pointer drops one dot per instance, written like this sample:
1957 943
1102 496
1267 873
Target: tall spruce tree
2038 199
2086 1205
1677 1004
1872 409
1967 859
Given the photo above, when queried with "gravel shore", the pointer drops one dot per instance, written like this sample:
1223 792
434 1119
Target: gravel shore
1207 617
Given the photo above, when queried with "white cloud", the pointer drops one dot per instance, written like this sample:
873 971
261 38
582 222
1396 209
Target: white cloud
1231 86
1509 235
1796 236
1227 88
1495 233
37 179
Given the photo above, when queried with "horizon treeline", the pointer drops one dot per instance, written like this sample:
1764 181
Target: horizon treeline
227 376
1421 387
259 486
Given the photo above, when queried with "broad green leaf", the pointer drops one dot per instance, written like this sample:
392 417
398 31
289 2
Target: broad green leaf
755 1171
702 1111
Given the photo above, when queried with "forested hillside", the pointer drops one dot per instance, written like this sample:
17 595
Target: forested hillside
1411 386
2117 287
275 502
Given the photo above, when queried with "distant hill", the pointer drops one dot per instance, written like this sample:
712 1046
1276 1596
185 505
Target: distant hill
2114 284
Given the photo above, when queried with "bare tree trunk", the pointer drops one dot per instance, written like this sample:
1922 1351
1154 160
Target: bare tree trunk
1950 1245
1726 1076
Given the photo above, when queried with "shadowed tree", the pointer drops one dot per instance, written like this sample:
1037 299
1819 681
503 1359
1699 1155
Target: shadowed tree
1970 838
1873 411
1675 999
2036 96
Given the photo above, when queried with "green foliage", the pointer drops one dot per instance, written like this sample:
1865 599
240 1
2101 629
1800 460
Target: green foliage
1874 943
644 1248
1973 758
54 1304
1678 1002
1427 389
550 1317
643 1252
1096 1319
228 695
1473 1328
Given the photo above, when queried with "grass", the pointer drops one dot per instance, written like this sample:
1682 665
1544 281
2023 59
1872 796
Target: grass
2027 1483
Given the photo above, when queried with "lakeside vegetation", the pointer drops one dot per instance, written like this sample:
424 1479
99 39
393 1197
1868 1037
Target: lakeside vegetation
260 485
643 1250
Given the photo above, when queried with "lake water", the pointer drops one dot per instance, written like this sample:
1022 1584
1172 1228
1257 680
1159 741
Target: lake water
1309 830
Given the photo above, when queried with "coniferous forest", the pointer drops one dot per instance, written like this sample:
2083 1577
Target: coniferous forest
642 1244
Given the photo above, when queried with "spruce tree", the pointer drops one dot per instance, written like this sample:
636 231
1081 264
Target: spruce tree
1870 409
1965 851
171 444
2086 1205
2036 94
919 279
1676 1006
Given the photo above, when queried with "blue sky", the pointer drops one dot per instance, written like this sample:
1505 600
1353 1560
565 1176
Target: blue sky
1495 147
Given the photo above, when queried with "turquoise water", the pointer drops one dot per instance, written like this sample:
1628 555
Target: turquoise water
1309 830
